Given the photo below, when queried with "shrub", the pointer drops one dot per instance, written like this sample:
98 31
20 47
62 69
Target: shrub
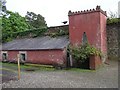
82 53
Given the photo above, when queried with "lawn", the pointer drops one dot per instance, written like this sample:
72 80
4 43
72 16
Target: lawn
28 66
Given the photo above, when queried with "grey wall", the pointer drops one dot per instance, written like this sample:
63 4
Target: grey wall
112 40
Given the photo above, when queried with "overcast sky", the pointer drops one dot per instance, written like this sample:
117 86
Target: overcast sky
56 11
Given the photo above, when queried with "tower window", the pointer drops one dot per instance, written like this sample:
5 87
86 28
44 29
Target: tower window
84 39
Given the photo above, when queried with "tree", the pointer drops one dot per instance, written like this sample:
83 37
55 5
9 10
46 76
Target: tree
2 12
35 21
12 22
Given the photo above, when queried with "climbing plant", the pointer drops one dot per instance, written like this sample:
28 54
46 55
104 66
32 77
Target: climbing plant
83 52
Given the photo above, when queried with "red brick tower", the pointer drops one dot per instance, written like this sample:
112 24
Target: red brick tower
93 23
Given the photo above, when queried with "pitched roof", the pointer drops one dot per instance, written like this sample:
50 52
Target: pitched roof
39 43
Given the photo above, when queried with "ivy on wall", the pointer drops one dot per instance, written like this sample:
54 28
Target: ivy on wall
113 21
33 33
59 33
22 34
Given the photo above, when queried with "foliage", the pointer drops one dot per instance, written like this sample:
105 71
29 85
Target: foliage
35 21
113 20
59 33
23 34
31 33
12 22
15 26
83 52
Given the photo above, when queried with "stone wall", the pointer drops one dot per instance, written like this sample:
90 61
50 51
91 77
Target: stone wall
112 41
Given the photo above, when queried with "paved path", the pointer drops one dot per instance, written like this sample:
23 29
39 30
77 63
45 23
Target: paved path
105 77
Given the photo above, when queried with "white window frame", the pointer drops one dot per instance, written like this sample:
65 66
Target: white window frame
23 52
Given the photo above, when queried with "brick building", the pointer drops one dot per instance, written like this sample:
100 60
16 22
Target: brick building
89 22
46 50
41 50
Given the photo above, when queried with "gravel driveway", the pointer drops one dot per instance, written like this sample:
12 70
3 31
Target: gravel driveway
105 77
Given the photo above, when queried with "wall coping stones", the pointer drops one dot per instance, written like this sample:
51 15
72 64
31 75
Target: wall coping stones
98 9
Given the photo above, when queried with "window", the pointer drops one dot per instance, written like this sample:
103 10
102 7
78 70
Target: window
23 56
84 38
4 55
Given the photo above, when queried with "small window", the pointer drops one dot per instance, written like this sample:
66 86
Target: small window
23 56
4 56
84 39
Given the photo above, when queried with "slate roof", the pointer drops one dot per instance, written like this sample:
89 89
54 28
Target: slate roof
39 43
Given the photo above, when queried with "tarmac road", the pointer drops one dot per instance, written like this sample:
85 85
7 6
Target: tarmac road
8 73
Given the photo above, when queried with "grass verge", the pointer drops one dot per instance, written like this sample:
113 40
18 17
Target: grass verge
29 66
39 67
